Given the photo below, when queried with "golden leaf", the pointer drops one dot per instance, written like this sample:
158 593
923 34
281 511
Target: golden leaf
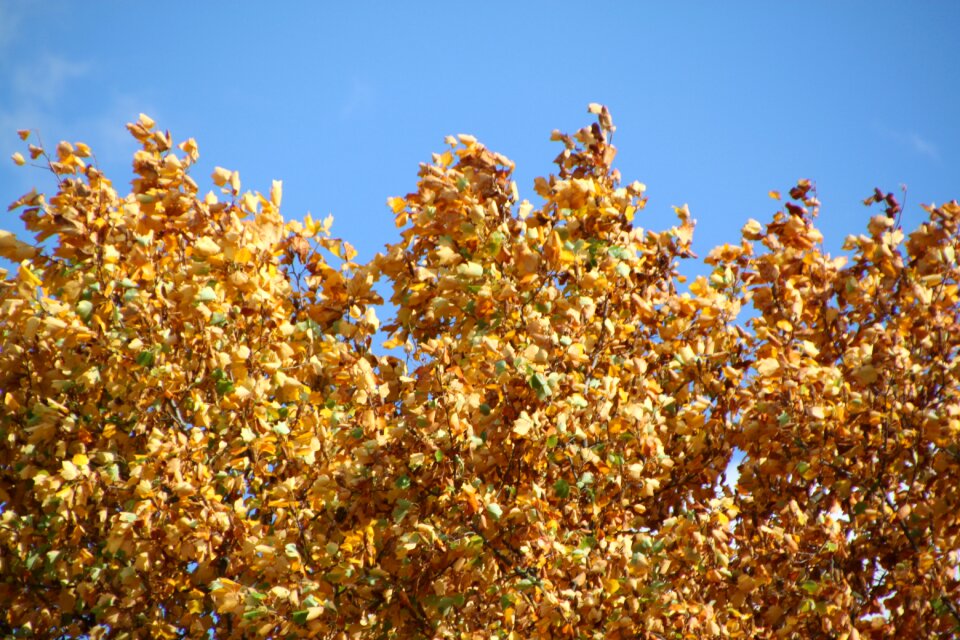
867 374
276 193
523 424
767 367
206 247
12 249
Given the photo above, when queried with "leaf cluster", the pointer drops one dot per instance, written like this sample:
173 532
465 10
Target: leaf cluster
200 434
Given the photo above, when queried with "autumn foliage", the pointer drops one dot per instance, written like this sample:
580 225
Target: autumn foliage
202 430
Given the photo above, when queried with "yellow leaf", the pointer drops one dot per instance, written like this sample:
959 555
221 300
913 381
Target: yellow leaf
14 250
810 349
29 276
147 121
767 367
752 230
523 424
784 325
525 209
348 251
80 460
393 342
774 194
867 374
206 247
611 586
69 471
396 204
311 225
276 193
220 176
18 159
470 270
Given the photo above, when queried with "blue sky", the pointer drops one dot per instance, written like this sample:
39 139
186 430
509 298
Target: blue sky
715 103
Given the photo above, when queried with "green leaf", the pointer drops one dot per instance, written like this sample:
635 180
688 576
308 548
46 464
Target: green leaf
538 382
300 617
207 295
617 252
84 309
585 479
402 508
446 603
146 358
495 510
562 488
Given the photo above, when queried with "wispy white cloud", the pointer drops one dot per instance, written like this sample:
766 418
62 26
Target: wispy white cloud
910 139
922 146
35 89
9 25
44 79
359 99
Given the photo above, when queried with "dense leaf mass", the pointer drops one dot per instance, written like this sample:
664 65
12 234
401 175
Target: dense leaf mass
202 431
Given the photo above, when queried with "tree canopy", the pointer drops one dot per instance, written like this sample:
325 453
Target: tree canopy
205 431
